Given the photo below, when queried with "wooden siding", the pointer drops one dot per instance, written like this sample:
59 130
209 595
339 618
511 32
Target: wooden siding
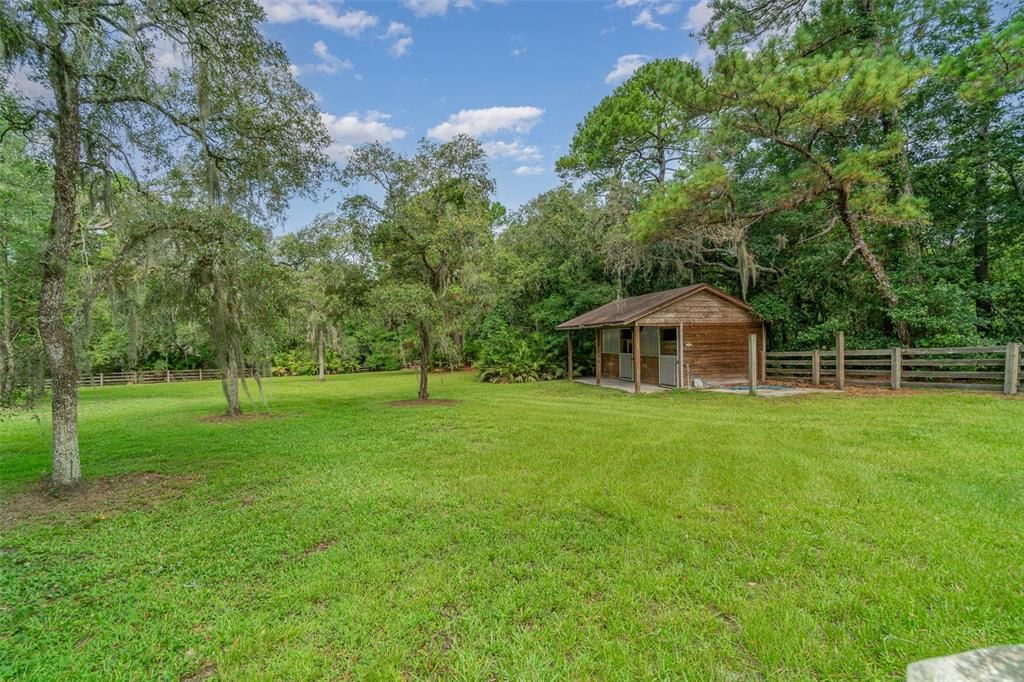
701 307
649 369
717 352
610 365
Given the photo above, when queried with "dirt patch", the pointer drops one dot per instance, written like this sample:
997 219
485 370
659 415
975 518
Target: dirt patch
204 673
724 616
423 403
101 496
229 419
321 546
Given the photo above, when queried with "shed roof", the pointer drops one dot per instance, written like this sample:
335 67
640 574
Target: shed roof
627 310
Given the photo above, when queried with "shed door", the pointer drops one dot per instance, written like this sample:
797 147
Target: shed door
668 360
626 354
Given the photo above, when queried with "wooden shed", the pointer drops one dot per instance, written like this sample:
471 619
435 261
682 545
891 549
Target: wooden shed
691 337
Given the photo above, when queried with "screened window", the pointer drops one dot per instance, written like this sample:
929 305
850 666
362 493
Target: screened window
626 341
649 341
668 341
610 341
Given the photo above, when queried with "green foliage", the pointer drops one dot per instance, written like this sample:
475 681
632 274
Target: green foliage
431 235
25 205
643 131
300 362
506 356
991 68
942 313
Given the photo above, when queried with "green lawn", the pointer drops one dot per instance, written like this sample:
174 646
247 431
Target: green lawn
533 531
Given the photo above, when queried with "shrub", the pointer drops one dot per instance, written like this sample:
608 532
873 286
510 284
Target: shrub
508 357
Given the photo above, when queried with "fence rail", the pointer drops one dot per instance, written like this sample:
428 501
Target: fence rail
973 368
149 377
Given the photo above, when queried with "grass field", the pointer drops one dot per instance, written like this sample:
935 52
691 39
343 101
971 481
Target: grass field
534 531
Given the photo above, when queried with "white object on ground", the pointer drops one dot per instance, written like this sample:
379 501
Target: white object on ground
995 664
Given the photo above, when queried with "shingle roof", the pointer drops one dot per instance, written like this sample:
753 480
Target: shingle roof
626 310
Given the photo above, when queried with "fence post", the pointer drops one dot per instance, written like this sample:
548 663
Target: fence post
1011 371
200 373
840 360
168 376
752 359
896 368
101 379
816 368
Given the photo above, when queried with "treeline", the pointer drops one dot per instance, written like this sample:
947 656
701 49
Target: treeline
843 166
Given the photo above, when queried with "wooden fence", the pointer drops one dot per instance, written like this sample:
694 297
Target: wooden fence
149 377
975 368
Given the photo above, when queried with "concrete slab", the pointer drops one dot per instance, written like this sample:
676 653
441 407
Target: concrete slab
769 391
620 385
995 664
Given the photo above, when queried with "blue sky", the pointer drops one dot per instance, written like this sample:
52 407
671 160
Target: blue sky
518 75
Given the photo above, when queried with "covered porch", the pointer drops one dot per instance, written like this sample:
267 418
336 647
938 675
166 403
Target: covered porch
637 358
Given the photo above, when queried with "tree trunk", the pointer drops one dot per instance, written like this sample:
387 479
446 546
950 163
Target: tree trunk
424 361
229 382
882 281
56 338
6 343
979 236
320 354
213 189
226 340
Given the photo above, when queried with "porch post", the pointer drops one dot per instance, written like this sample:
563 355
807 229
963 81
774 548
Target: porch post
764 354
679 356
597 361
636 358
568 343
752 361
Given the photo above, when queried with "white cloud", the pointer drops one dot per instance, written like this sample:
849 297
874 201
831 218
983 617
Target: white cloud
698 16
646 20
328 65
426 8
667 8
401 34
400 47
529 170
478 122
705 55
323 12
625 66
397 29
352 129
518 51
627 3
513 150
